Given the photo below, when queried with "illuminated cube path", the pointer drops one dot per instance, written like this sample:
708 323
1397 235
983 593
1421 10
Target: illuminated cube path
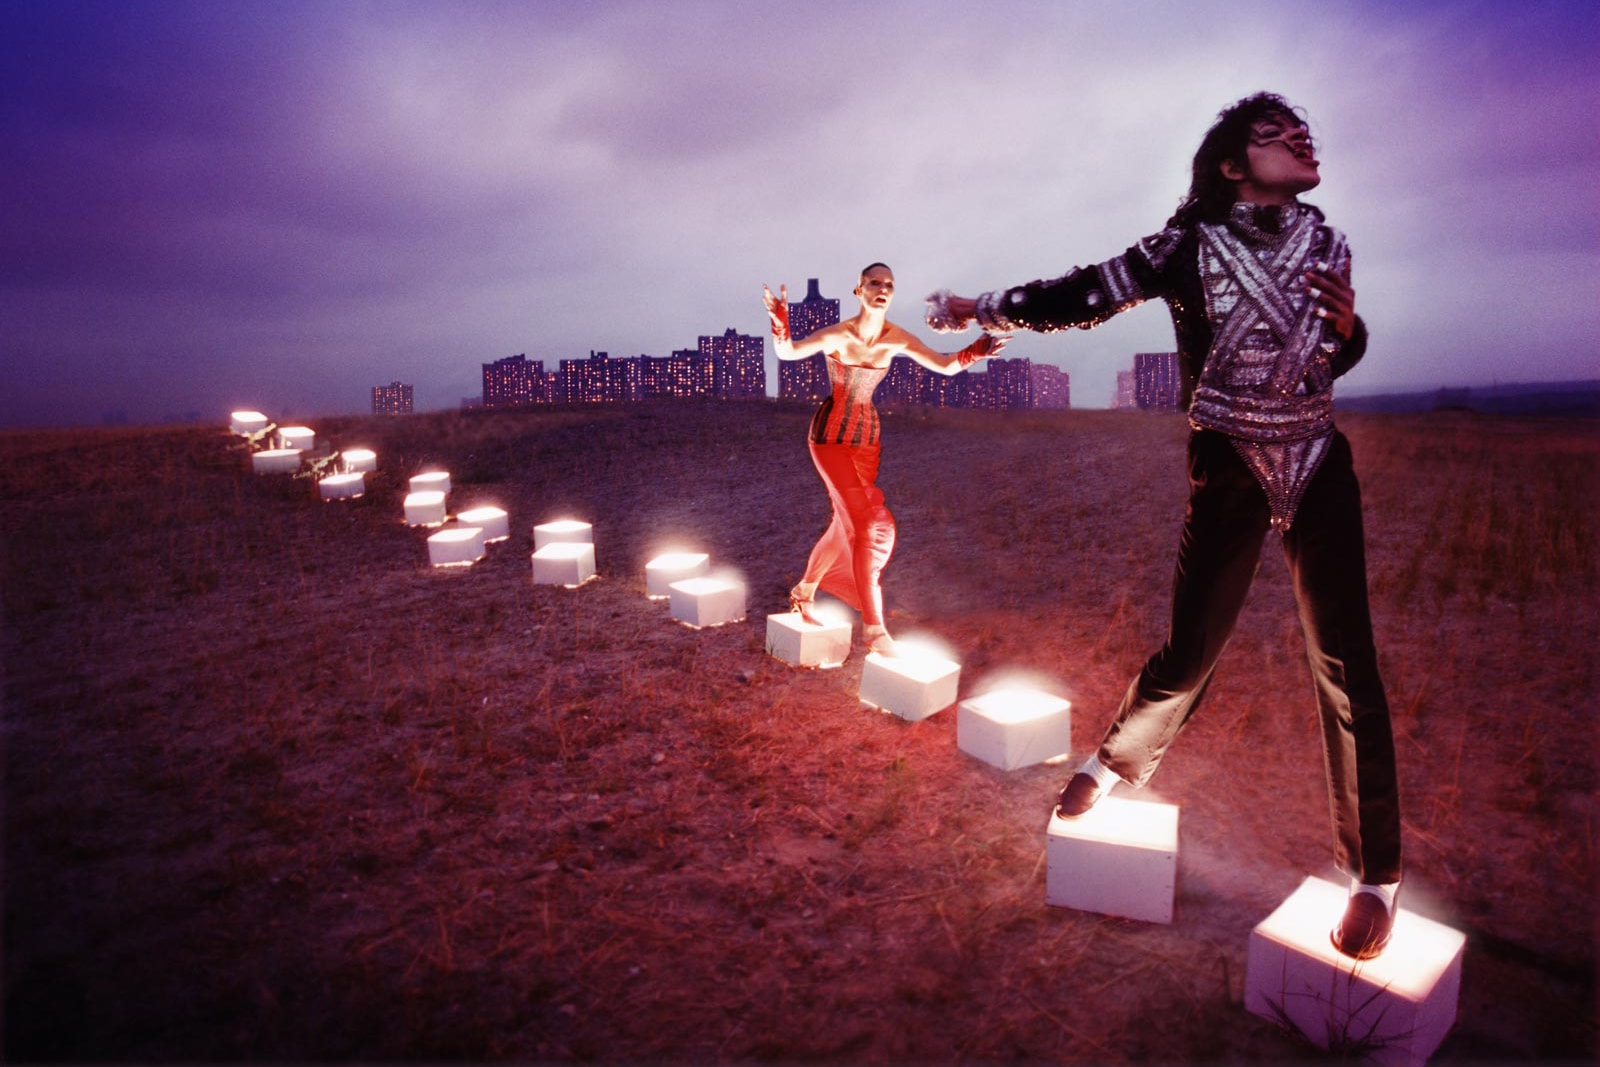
357 460
568 563
1013 728
302 437
342 486
563 531
438 481
669 567
458 546
911 685
801 644
245 423
276 461
1394 1009
425 508
496 525
1118 858
707 601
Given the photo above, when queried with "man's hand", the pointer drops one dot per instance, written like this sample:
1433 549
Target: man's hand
1336 300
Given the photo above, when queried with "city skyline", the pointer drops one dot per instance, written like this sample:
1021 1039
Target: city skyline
275 205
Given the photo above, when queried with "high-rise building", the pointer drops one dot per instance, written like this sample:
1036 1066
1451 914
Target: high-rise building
514 381
1125 395
1052 386
1155 378
684 375
741 364
599 380
391 399
910 383
1009 384
807 379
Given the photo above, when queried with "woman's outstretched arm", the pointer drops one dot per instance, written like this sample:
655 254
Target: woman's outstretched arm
949 363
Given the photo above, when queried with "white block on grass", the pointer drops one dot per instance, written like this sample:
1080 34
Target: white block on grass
1012 728
275 461
359 459
425 508
799 643
430 480
1393 1010
707 601
342 486
563 531
661 572
495 522
459 546
568 563
1118 858
910 686
245 423
302 437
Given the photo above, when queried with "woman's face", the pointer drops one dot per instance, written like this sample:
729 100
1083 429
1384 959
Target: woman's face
876 288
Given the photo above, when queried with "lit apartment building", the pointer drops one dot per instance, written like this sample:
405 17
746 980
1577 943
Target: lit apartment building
1155 378
684 375
807 379
599 380
1052 387
514 381
391 399
741 364
1125 395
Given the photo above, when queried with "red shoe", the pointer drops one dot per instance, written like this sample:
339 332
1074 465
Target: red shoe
804 607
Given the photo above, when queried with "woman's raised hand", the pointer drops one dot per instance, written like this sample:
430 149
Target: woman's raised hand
985 346
778 311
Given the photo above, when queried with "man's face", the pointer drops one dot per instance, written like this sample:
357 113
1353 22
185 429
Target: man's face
1280 158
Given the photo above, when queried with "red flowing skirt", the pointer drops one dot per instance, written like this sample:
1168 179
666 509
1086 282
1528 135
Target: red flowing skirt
849 558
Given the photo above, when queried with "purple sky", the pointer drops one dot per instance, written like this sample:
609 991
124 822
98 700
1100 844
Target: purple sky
278 205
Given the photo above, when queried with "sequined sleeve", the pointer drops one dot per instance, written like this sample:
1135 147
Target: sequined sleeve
1086 296
1351 351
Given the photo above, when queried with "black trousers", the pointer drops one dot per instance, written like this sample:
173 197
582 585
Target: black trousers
1218 555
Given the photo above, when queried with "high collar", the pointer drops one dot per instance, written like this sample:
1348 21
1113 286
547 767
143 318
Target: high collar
1264 223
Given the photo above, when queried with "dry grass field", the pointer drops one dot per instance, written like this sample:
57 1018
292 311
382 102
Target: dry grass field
276 790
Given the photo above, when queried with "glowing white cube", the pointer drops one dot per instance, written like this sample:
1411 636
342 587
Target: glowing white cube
565 531
1118 858
459 546
425 508
910 686
1012 728
275 461
359 459
568 563
797 642
707 601
245 423
431 480
302 437
1395 1008
496 524
661 572
342 486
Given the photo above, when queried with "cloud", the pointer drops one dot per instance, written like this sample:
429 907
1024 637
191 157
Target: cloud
360 191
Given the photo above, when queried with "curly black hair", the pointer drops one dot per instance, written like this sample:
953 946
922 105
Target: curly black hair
1211 195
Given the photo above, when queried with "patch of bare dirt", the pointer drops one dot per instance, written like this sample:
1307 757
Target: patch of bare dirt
277 790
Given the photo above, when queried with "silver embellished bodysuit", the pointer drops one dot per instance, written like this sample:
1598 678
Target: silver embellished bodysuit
1267 382
1255 361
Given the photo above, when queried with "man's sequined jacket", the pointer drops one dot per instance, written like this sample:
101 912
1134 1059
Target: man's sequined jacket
1164 266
